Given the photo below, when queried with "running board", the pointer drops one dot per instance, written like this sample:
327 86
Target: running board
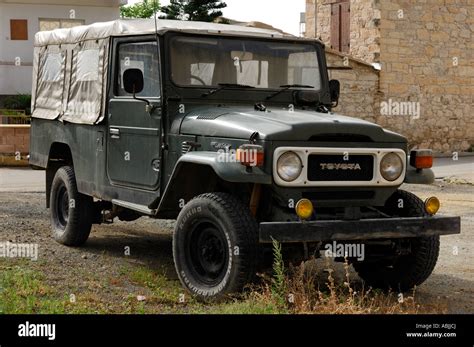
135 207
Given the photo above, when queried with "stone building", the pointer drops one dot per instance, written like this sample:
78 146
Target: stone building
424 50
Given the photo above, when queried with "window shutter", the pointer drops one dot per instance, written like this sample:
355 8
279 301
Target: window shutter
345 33
335 27
18 29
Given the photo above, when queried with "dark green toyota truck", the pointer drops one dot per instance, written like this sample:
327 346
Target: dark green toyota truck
231 131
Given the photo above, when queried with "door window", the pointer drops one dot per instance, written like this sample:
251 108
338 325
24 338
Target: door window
143 56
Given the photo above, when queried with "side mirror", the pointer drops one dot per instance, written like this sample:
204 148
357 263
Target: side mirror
334 91
133 81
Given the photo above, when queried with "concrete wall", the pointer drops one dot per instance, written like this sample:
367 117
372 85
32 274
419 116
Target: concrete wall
17 79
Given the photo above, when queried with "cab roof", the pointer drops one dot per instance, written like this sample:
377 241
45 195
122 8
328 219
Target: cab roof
126 27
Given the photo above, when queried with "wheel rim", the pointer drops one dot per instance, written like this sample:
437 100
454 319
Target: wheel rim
62 206
208 253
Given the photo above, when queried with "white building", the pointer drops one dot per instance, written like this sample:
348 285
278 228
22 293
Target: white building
21 19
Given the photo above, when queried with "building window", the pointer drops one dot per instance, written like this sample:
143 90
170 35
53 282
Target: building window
340 26
18 29
46 24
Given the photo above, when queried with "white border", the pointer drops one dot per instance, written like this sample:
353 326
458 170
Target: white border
304 152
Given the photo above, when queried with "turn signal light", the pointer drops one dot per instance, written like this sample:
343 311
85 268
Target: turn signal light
432 205
250 155
304 209
421 159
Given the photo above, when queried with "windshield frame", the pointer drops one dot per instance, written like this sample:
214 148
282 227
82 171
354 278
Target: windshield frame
319 50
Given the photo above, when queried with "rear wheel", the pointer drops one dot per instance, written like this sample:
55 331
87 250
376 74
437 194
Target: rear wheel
405 271
215 246
71 211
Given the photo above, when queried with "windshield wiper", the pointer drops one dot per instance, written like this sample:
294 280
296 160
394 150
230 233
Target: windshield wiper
223 86
285 87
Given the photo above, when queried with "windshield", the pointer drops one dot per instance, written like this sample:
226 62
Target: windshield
200 61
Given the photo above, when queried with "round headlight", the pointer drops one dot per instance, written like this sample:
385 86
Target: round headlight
289 166
391 167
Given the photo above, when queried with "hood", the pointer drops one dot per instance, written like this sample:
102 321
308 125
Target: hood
282 125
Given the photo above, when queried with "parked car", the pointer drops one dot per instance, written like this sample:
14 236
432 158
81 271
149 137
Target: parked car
231 131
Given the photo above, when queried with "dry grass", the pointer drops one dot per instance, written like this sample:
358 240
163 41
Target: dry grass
301 293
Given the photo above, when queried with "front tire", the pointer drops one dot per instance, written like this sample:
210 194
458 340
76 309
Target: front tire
71 211
406 271
215 246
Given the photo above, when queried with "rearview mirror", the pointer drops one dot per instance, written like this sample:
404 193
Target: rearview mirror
334 91
133 81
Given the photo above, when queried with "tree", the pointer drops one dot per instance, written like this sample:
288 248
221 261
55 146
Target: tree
145 9
194 10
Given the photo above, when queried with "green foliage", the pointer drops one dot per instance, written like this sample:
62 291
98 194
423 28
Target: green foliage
18 102
23 291
279 287
194 10
145 9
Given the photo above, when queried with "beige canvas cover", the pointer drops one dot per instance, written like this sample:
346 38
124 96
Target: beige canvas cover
70 66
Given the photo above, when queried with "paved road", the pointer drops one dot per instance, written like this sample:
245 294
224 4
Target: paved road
463 168
22 180
27 180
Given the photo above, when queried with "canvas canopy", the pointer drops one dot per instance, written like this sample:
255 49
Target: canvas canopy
70 65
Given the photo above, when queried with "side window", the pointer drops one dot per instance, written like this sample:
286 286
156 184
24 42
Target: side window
143 56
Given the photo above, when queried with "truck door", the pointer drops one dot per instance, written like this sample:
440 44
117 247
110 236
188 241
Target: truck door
134 134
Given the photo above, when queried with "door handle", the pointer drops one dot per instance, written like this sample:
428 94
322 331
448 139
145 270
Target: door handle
114 133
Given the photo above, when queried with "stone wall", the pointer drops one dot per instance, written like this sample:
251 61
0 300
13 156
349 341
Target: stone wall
310 19
359 85
364 24
427 51
365 34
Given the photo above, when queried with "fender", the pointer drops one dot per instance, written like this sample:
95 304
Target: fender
198 172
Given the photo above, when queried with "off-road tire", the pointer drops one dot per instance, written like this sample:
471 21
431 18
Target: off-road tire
71 211
215 246
406 271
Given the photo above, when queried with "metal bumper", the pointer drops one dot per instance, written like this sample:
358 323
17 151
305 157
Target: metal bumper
365 229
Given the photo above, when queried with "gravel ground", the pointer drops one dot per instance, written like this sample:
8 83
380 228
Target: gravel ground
97 268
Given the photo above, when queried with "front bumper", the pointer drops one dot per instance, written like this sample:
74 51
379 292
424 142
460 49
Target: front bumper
365 229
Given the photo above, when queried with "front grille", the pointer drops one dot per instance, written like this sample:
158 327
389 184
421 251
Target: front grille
330 167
